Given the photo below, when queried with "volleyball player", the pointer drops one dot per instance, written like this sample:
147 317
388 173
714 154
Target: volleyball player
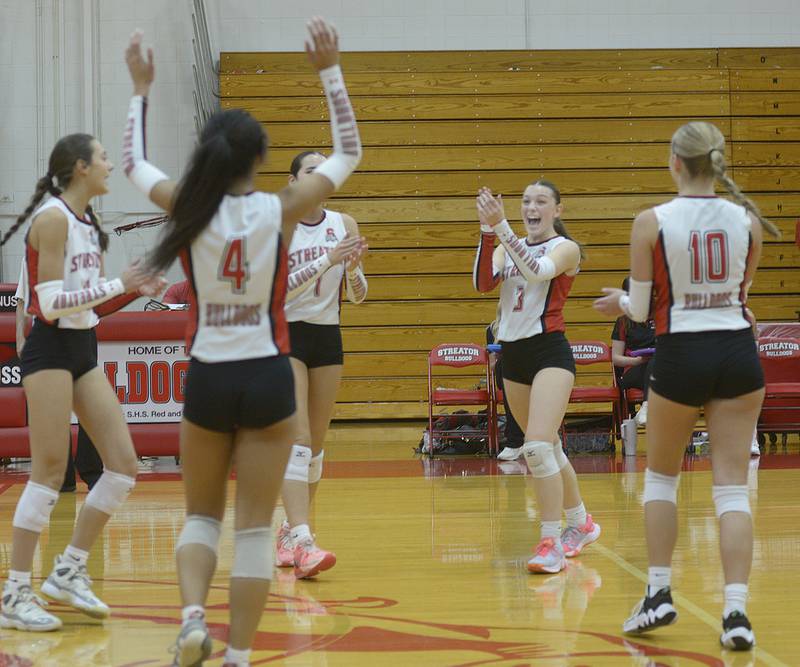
86 459
67 292
536 273
239 403
325 252
699 253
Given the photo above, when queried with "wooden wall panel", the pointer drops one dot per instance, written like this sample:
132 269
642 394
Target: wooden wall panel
438 125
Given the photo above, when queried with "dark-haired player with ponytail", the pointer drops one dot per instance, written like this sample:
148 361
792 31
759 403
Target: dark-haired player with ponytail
67 293
699 253
240 403
536 274
324 256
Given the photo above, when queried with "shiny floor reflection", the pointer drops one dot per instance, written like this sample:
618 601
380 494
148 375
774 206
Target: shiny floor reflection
431 571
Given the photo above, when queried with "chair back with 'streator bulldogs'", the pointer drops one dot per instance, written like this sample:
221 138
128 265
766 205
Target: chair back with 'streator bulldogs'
458 356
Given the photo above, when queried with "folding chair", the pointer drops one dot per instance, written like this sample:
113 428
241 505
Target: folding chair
459 355
586 353
780 359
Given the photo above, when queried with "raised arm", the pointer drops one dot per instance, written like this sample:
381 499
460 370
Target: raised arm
301 279
355 282
148 178
486 271
301 197
561 259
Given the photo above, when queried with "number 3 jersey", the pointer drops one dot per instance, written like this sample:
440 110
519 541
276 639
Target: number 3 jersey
320 303
531 308
237 276
699 263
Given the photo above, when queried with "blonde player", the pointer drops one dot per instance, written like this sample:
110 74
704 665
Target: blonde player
66 294
699 253
324 256
239 405
536 273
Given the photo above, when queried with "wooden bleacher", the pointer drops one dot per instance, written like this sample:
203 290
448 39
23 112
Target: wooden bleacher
438 125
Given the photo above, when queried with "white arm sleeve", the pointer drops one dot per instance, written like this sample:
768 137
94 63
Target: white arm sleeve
134 158
299 281
346 141
534 270
636 303
355 285
55 302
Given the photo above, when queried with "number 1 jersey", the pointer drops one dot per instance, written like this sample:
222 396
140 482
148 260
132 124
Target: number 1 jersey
237 269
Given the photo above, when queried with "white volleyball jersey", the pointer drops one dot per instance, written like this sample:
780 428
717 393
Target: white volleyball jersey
82 266
237 277
699 263
320 303
531 308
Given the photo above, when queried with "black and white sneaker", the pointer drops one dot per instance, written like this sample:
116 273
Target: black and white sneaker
737 633
651 613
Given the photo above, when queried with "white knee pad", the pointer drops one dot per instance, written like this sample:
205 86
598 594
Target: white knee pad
299 461
730 498
111 490
34 507
253 556
315 468
561 457
200 529
541 458
660 487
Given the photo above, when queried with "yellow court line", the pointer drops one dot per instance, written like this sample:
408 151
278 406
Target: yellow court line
684 602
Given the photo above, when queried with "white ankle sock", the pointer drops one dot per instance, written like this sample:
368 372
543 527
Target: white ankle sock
550 529
17 578
300 533
192 611
75 555
239 657
576 516
735 598
658 578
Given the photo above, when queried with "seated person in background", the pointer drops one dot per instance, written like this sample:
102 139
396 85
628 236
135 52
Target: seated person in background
177 293
633 372
513 435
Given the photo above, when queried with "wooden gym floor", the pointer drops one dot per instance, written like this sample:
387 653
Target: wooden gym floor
431 569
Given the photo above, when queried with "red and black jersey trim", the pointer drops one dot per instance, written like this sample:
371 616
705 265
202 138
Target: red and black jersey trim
277 314
194 314
663 281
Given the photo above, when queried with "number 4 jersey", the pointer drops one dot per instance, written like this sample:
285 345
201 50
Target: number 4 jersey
699 264
237 276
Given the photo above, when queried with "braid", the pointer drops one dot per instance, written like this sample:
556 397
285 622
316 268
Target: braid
720 173
43 186
561 228
102 236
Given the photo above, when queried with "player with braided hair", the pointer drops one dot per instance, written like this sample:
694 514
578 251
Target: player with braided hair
67 293
699 253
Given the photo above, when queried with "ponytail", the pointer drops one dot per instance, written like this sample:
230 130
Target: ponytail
230 143
558 223
61 165
43 186
561 228
101 235
701 148
718 166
